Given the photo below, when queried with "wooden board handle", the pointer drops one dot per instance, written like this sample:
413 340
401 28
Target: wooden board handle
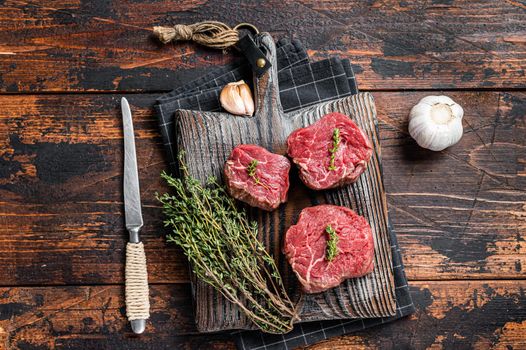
266 86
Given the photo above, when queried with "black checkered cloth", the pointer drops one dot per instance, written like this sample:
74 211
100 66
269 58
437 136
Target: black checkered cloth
301 83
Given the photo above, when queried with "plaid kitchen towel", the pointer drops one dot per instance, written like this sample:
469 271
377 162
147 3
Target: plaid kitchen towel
302 83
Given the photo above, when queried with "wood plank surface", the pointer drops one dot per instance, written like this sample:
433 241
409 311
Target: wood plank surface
460 215
97 45
450 314
61 210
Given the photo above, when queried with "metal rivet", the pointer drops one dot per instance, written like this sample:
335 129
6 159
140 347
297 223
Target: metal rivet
261 62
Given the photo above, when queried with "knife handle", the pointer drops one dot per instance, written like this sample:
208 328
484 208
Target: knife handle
137 297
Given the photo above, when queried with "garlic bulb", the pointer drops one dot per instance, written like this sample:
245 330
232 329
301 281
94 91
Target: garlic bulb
237 99
435 122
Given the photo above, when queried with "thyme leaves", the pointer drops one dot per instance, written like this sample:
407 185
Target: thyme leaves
335 145
251 170
332 243
224 251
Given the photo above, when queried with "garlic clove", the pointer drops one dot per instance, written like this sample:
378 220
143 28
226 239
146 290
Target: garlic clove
246 96
419 109
457 110
236 98
435 122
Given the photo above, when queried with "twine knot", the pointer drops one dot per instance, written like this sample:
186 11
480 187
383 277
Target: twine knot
210 33
183 32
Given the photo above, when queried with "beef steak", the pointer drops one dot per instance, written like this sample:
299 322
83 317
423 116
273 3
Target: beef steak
306 246
330 153
257 176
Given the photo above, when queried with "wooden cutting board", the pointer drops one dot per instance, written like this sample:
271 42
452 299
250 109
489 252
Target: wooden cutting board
208 139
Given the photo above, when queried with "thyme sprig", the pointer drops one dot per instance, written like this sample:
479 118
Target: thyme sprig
334 149
251 170
332 243
224 251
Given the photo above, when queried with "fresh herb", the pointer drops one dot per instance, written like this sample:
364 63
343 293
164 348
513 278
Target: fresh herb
332 243
251 170
224 251
335 146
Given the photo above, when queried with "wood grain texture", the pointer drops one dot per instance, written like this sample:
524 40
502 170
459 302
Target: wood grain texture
87 45
468 201
459 214
452 314
61 206
208 138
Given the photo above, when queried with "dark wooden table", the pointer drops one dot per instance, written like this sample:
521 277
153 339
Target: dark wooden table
460 214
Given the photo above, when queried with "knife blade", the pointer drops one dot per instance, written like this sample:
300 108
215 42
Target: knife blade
137 299
132 196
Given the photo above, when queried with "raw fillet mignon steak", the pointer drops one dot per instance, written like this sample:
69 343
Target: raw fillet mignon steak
306 245
257 177
312 148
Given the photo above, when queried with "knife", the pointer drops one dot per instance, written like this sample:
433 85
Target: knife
137 298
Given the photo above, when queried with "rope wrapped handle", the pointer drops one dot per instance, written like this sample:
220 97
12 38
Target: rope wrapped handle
213 34
137 296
